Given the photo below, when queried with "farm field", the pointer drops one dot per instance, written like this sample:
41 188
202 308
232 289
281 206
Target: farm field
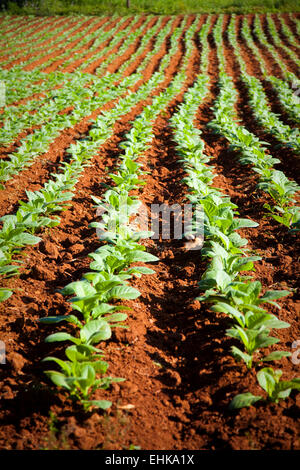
119 339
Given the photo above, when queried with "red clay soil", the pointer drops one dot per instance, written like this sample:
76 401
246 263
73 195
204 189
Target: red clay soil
26 41
70 47
99 57
22 25
283 37
279 49
118 61
290 163
32 55
107 27
27 47
133 65
285 58
175 356
33 177
291 25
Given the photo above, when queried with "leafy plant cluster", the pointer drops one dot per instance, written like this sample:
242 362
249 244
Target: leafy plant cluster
117 31
261 37
111 265
39 142
161 37
18 229
22 84
287 98
84 102
252 151
15 27
20 44
158 40
280 188
15 112
156 35
295 22
282 89
18 118
224 283
203 38
34 214
278 41
12 115
288 136
118 37
98 46
77 41
258 99
152 36
121 41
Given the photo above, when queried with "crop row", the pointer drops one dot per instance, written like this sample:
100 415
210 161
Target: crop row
111 265
60 32
18 229
76 43
224 283
250 149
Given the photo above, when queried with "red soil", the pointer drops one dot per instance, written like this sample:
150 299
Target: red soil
180 375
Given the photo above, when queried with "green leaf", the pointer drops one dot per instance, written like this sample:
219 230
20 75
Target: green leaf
63 364
95 331
141 270
102 309
267 380
276 355
227 308
60 318
142 256
237 353
58 337
58 378
124 292
81 352
103 404
5 294
266 320
243 223
274 294
262 341
243 399
28 239
79 288
115 317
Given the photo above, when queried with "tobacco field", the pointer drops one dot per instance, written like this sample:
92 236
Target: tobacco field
115 339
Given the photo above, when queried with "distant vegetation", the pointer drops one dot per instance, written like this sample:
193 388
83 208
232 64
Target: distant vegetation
171 7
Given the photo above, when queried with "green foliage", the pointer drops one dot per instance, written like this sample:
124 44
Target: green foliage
242 400
96 7
270 381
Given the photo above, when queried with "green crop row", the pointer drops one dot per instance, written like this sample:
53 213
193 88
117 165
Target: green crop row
224 283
